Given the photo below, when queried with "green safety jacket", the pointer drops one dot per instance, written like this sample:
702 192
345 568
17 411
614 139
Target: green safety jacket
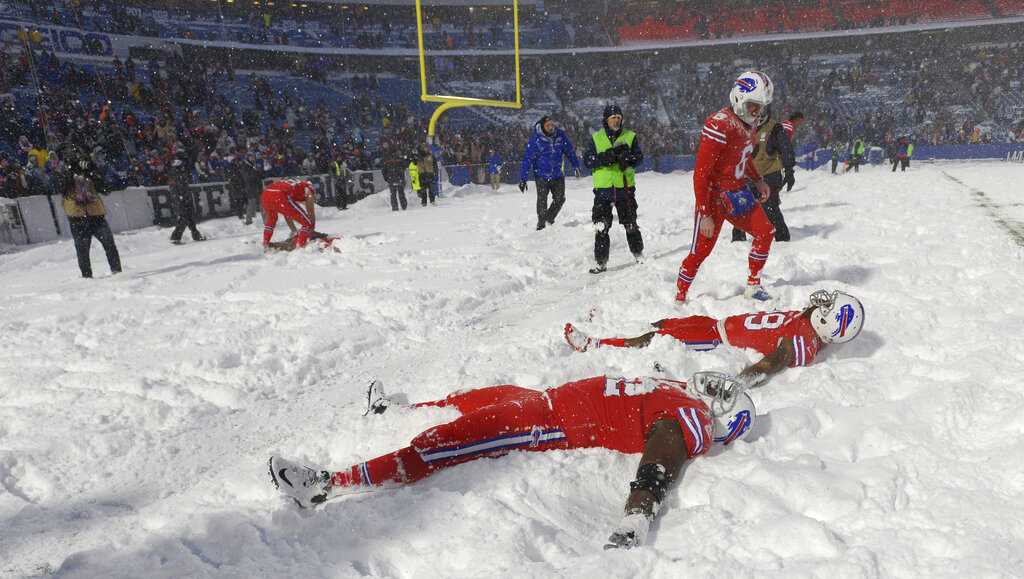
612 176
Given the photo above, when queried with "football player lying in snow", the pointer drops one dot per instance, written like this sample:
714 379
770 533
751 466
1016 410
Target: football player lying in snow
666 420
786 339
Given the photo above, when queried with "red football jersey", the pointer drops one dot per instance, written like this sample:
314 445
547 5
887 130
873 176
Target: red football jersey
617 413
289 188
764 331
726 147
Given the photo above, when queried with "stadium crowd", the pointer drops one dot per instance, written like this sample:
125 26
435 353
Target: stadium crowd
129 117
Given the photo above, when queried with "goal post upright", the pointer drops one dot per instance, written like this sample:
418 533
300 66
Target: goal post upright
449 101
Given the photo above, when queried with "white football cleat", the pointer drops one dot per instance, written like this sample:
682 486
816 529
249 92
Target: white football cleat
577 339
756 292
307 486
377 401
631 532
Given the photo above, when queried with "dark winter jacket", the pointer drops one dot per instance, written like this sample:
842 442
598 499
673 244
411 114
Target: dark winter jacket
543 155
236 178
252 174
778 143
394 171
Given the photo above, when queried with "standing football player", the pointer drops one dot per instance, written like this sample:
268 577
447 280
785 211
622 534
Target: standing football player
722 183
786 339
666 420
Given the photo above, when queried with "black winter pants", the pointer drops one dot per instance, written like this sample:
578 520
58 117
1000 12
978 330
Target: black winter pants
428 189
772 209
83 229
624 202
556 187
185 214
397 195
341 187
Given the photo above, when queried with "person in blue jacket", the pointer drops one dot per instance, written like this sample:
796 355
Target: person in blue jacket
543 157
494 166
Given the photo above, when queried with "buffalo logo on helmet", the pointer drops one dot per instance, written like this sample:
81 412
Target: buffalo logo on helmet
738 425
746 84
844 318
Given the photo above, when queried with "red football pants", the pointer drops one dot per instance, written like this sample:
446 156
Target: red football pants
275 204
755 223
697 332
494 421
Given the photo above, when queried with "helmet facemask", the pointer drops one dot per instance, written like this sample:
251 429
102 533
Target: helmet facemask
732 410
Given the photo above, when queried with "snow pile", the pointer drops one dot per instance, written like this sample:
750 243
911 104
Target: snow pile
137 411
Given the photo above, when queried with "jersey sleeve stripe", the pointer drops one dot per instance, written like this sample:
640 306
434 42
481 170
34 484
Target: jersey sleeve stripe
721 333
705 439
694 428
714 131
712 137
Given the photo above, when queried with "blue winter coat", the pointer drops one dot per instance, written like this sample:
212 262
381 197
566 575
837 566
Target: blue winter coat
494 164
543 155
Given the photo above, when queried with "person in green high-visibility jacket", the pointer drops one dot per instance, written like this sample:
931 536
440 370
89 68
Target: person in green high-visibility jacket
612 157
856 155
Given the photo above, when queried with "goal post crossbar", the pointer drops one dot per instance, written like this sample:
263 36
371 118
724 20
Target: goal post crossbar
450 101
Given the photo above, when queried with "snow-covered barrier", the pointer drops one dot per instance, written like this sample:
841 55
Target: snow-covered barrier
811 159
32 220
12 227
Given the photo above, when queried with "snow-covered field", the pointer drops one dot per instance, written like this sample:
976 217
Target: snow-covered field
137 411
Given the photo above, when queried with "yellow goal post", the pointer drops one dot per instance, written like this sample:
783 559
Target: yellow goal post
451 101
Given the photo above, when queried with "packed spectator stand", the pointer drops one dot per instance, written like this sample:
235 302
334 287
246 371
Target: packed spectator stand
296 115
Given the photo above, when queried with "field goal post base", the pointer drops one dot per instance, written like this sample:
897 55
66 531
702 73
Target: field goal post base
448 103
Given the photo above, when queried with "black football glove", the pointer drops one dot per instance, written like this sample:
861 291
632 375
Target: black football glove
607 157
789 180
624 156
522 186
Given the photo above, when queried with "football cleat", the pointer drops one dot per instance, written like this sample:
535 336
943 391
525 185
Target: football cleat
577 339
756 292
599 268
639 257
376 401
631 532
305 485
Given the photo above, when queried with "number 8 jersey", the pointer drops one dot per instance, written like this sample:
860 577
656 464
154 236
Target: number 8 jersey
765 331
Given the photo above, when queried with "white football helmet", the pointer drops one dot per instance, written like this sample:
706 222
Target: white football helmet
838 317
752 86
732 409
